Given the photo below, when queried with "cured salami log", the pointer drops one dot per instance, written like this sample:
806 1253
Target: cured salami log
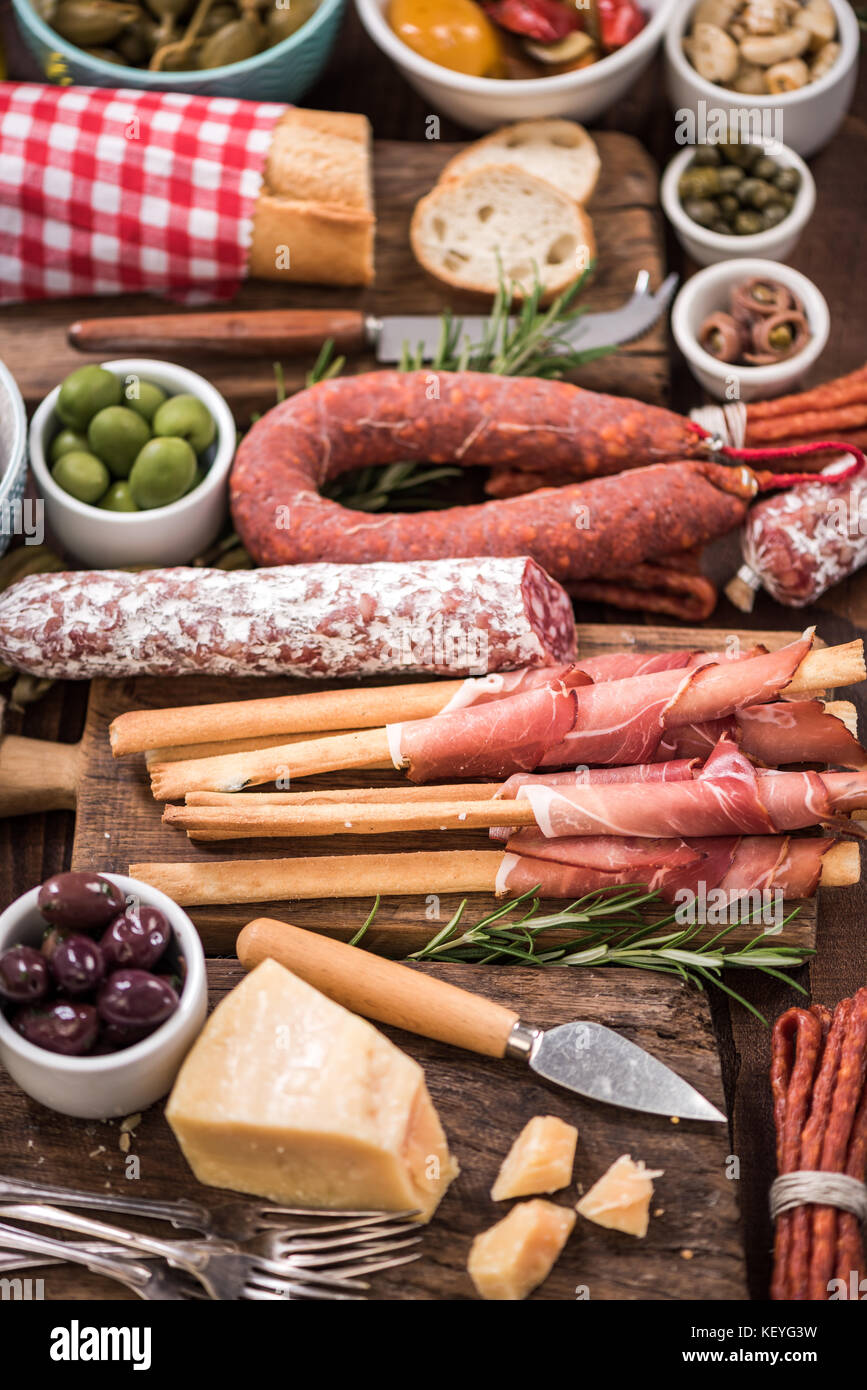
798 543
591 530
446 617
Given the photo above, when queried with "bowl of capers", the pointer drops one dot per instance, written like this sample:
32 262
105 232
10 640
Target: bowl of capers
742 199
270 50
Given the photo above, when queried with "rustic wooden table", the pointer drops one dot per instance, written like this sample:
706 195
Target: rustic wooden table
832 253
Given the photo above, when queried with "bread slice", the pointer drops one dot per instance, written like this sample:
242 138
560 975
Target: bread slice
560 151
499 220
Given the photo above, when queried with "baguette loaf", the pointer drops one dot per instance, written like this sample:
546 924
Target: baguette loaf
314 219
499 220
559 151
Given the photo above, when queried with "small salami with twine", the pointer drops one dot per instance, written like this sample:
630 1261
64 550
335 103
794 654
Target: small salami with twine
818 1071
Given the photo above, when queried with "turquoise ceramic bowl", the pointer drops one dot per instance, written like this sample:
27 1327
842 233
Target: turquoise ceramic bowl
282 73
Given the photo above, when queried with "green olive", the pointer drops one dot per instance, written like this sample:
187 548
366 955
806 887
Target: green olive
67 442
184 417
118 498
81 475
699 183
144 398
162 473
198 477
774 213
705 155
748 222
730 176
787 180
702 210
117 436
83 393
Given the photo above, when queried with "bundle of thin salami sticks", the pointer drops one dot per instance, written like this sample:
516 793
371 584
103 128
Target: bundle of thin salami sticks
818 1069
683 770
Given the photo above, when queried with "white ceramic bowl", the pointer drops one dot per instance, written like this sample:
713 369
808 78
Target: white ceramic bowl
708 291
164 536
707 247
119 1083
808 117
485 102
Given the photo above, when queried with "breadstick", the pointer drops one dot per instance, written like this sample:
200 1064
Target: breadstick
364 875
460 791
184 752
327 876
827 667
138 730
234 822
232 772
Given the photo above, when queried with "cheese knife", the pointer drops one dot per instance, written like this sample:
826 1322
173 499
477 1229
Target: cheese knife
276 332
584 1057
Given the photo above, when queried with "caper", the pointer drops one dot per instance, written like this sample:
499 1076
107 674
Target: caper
241 39
755 193
721 227
762 294
748 222
707 156
93 22
743 155
764 168
773 214
787 180
701 210
731 176
787 200
699 183
136 44
781 337
728 205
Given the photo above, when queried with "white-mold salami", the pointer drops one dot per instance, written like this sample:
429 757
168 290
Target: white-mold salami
444 617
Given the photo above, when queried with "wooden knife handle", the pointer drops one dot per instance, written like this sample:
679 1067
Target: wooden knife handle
36 775
380 989
247 333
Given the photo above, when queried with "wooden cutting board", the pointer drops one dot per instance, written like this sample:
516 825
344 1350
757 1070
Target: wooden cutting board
692 1249
629 234
119 823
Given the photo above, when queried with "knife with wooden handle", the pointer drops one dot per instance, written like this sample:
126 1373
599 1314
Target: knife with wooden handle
584 1057
237 333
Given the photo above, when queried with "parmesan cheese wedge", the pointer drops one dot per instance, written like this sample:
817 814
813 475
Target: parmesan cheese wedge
540 1160
514 1257
291 1097
620 1200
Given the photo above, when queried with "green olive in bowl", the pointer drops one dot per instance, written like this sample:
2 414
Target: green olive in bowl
144 398
85 392
117 435
184 417
67 442
81 475
163 472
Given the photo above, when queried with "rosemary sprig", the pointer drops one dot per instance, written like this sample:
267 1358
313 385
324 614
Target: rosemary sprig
517 340
611 929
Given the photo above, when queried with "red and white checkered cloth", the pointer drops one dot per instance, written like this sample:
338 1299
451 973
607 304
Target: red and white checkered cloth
107 191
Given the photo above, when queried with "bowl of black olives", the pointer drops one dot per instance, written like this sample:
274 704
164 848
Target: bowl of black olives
102 993
738 199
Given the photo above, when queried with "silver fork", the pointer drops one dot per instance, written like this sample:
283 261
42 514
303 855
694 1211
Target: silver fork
150 1281
235 1219
224 1271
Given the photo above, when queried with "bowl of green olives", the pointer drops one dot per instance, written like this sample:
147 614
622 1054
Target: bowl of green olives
132 459
265 50
742 199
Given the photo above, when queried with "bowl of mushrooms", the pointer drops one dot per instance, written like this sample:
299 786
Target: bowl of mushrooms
786 67
750 329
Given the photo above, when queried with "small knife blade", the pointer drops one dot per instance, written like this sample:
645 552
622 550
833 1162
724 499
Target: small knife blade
602 1065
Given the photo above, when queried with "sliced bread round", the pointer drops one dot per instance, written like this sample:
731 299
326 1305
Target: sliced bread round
560 151
501 221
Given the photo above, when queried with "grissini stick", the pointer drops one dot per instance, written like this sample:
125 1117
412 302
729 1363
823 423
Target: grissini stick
828 666
183 752
364 875
455 791
312 712
236 822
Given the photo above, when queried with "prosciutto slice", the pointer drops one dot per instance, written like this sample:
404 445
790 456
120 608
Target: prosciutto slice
736 865
676 770
785 731
727 797
624 721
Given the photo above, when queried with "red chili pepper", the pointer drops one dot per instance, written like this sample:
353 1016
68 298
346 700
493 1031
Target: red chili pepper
543 20
619 21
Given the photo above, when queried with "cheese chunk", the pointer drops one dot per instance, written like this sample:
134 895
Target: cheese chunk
288 1096
540 1160
512 1258
620 1199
